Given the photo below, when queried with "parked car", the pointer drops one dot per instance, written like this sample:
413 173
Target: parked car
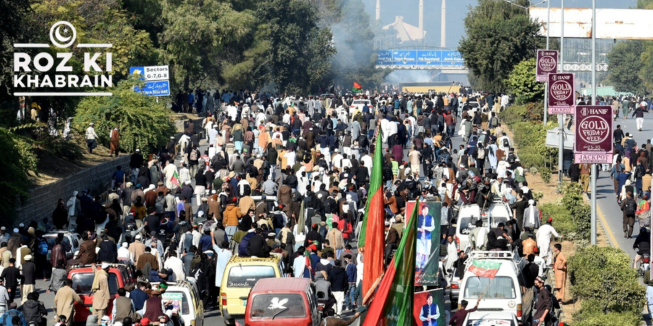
70 239
286 301
82 276
240 275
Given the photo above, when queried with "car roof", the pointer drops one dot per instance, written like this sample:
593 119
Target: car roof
286 284
238 259
56 233
89 268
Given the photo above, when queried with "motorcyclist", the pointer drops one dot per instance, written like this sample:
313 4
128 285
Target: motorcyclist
642 245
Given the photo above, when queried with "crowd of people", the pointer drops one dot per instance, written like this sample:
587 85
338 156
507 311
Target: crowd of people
260 175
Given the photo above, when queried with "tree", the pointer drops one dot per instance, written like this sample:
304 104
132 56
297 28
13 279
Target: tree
143 122
499 36
299 50
19 160
522 82
625 66
196 33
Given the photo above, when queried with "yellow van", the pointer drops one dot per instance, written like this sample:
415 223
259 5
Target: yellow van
239 277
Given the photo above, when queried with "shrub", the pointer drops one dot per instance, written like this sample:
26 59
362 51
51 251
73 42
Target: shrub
545 173
529 135
590 314
604 275
66 149
562 220
19 160
143 122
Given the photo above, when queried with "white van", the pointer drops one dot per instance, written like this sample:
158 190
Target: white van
498 212
185 297
502 293
467 217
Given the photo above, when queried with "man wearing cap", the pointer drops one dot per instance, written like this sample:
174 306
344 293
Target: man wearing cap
543 237
153 307
136 249
90 137
100 290
29 278
11 275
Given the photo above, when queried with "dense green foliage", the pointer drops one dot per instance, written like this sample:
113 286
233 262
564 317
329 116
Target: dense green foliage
572 217
498 37
525 121
603 276
18 161
631 62
590 314
522 83
143 122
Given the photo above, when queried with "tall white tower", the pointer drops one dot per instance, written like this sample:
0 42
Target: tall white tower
378 9
421 17
443 27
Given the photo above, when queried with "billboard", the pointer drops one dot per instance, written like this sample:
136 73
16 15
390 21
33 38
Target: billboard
156 80
634 24
561 93
428 241
594 125
547 62
420 59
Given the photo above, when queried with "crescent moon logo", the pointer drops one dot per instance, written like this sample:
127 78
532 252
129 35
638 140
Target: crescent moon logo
59 40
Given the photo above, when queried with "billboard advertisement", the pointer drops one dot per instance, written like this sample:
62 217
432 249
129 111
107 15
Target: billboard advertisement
421 59
594 125
428 241
547 62
561 93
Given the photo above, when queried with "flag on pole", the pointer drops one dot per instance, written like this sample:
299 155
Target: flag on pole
485 268
175 179
393 302
357 87
371 240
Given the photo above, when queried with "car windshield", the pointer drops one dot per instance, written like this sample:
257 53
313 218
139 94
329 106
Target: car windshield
360 102
465 225
500 287
83 282
246 276
287 305
177 299
50 240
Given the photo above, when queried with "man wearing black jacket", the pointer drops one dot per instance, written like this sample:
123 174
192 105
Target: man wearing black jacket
339 284
258 246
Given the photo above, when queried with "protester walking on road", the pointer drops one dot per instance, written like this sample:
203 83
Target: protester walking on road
560 268
91 137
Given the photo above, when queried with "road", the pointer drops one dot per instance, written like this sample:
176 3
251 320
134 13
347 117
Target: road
608 212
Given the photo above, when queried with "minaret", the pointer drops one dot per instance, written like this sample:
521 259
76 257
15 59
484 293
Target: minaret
421 18
443 27
378 9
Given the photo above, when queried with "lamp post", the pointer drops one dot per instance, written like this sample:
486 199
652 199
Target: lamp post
594 166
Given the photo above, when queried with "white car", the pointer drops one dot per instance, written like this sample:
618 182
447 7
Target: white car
71 240
357 106
501 293
467 217
482 318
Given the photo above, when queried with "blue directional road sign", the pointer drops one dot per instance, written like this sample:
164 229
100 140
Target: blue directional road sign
155 88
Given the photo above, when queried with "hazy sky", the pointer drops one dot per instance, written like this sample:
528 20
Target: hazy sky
456 12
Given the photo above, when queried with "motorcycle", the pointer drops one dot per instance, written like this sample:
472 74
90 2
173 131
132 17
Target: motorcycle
644 265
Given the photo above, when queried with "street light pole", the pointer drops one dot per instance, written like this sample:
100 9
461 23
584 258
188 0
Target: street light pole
561 117
594 166
546 84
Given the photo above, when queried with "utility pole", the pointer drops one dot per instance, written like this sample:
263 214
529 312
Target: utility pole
546 84
561 117
594 166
